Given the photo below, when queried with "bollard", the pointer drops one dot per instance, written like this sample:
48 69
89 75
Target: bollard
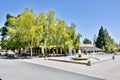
89 63
113 57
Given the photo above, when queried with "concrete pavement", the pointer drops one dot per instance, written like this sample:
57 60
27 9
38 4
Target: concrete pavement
20 70
109 70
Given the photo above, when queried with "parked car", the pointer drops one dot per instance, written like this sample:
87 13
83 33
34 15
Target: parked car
11 54
3 53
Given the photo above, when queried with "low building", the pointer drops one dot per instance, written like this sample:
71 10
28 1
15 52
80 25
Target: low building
89 48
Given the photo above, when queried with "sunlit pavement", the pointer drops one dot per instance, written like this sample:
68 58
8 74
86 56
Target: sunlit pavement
19 70
109 70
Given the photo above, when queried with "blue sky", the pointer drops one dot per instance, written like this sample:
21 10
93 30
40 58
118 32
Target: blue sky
88 15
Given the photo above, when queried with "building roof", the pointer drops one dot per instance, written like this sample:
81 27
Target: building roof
89 47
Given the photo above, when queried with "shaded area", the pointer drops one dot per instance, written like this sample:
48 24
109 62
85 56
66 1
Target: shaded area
15 57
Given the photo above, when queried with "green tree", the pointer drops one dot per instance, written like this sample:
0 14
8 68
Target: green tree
4 31
87 41
26 31
104 41
29 29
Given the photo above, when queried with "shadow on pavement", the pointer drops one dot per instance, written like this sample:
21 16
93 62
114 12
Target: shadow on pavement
14 57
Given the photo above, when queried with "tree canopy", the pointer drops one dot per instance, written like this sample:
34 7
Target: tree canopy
87 41
104 41
4 31
43 29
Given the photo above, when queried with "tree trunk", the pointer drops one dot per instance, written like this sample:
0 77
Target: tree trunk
31 53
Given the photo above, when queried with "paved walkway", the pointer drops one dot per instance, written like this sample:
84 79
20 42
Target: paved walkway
17 70
109 70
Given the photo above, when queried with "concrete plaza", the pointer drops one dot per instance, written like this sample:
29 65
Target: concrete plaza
39 68
18 70
109 70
